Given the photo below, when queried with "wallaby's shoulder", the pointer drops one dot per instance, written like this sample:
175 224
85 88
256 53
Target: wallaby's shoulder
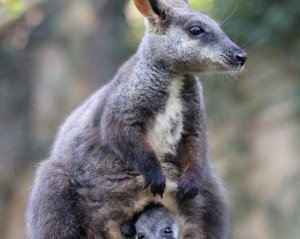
84 123
88 113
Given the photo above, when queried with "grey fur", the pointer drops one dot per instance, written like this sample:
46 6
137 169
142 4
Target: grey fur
92 176
157 223
153 223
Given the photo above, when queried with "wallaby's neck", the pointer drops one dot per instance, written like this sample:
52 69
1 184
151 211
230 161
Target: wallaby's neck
152 57
148 69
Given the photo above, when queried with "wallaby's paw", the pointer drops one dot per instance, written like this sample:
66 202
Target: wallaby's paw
159 186
156 180
187 188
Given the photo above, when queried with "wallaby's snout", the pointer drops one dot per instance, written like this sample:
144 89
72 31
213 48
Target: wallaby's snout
237 55
240 56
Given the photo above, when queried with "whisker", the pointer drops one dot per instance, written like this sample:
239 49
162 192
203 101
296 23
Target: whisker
223 15
234 75
231 14
245 70
251 45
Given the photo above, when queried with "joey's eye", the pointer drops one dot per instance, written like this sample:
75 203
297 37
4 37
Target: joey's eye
168 230
140 236
196 30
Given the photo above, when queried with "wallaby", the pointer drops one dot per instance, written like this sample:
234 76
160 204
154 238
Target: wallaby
153 222
143 133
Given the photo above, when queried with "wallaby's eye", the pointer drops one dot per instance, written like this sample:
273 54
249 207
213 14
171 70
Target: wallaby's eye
140 236
196 30
168 230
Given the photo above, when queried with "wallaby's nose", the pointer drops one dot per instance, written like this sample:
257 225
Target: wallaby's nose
241 56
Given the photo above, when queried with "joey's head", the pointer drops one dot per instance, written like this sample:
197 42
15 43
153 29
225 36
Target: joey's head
154 222
185 40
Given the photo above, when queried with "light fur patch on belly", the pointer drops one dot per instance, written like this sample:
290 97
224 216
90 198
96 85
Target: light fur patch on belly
168 125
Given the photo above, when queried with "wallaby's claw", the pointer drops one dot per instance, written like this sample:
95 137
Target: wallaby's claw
158 188
157 180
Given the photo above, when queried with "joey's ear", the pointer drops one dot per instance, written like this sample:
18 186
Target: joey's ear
150 8
128 229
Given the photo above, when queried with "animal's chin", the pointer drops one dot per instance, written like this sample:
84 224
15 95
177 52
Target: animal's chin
226 66
219 67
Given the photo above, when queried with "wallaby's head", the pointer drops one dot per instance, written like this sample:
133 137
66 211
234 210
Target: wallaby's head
153 222
186 40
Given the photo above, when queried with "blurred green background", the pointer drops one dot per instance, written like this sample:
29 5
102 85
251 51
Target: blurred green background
54 54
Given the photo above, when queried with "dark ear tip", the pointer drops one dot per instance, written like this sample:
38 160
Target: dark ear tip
128 229
155 6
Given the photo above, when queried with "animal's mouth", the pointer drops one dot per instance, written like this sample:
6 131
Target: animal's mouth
226 63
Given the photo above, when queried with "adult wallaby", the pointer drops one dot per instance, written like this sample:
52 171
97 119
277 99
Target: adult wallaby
143 133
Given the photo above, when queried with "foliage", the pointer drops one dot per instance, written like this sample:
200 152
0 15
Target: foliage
272 24
73 46
13 8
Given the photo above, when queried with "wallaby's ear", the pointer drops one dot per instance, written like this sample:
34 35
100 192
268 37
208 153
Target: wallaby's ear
158 12
128 229
143 6
150 8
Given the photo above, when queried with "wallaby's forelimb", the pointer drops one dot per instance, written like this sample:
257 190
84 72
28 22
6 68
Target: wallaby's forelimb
130 144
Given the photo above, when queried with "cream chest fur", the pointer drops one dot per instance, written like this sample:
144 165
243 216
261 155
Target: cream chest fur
168 125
